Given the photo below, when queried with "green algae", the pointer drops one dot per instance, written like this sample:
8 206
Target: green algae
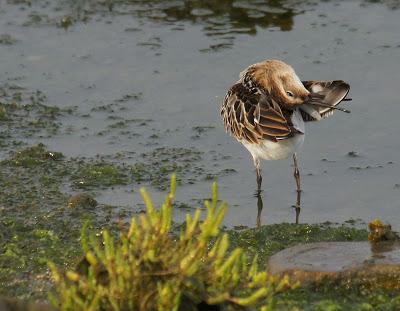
26 248
199 131
153 167
160 163
130 97
36 19
7 39
34 156
336 298
122 126
98 175
27 114
270 239
35 224
30 177
328 295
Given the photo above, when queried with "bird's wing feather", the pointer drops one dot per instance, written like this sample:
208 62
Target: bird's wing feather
333 93
253 116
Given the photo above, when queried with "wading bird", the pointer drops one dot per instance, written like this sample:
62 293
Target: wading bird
266 109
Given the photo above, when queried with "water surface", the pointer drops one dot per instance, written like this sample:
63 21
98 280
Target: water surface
170 63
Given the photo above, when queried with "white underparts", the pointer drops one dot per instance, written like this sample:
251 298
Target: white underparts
282 149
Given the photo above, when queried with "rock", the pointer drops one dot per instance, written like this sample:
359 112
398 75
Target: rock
66 22
82 200
8 304
379 231
351 263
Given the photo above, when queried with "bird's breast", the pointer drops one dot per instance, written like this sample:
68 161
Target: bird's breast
282 149
269 150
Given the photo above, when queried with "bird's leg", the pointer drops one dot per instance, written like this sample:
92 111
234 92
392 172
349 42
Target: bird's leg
296 175
257 164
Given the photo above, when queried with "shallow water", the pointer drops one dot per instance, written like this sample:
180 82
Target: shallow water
170 65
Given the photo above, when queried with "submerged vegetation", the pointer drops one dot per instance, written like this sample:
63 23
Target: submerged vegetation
7 40
27 113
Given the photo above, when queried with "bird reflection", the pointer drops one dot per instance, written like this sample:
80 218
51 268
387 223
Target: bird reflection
260 206
297 209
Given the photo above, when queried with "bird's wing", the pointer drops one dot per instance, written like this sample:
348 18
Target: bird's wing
253 116
332 93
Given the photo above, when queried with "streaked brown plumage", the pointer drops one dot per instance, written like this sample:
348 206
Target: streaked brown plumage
266 109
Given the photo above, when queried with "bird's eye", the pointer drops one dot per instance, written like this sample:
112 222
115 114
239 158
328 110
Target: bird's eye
289 93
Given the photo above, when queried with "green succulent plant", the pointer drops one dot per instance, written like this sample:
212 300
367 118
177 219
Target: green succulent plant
149 268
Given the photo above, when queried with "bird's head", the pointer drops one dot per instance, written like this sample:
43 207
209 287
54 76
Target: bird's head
280 81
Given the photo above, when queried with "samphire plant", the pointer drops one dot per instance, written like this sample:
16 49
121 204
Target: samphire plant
149 268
